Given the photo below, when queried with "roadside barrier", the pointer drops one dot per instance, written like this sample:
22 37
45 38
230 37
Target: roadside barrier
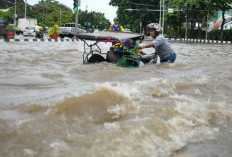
180 40
200 41
37 40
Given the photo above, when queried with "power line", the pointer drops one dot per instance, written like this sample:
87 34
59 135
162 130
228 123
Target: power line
141 4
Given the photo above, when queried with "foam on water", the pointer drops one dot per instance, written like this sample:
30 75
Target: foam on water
129 121
64 108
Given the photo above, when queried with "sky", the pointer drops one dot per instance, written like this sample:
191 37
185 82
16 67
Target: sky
93 5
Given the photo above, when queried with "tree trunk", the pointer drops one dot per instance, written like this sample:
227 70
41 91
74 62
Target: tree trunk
180 22
222 24
199 31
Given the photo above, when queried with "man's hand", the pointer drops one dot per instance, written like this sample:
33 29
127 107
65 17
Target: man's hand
112 48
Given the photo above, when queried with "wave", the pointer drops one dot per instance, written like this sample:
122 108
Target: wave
140 118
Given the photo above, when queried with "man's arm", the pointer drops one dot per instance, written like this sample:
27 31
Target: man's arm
146 46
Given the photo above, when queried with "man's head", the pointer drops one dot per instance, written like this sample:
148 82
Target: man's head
154 29
115 21
132 41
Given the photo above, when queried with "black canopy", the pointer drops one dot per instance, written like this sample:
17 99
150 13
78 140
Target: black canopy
109 36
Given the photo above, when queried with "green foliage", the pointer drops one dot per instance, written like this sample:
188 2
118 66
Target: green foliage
215 35
20 10
132 19
54 30
47 13
222 5
196 10
196 34
5 16
97 19
10 28
200 34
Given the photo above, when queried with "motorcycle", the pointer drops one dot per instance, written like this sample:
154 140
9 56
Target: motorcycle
39 34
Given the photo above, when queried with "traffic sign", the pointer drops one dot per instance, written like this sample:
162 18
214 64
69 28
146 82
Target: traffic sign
170 10
87 23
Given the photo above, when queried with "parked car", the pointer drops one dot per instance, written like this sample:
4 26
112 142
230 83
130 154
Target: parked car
3 25
29 31
69 30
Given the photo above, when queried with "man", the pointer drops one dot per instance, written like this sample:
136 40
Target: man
116 27
162 47
37 27
38 30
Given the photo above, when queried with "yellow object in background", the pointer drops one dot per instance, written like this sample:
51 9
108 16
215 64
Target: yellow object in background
40 28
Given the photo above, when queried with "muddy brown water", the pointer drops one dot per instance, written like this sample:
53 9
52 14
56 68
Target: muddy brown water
51 104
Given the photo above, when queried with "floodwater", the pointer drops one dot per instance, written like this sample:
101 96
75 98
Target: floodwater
51 104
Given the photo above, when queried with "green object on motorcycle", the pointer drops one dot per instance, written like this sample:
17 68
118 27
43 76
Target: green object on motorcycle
130 61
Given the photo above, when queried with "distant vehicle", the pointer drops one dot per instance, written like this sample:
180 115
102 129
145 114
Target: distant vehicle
29 31
39 34
25 22
3 25
127 30
96 30
69 30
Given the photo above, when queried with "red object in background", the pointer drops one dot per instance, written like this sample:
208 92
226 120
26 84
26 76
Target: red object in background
218 23
10 33
54 36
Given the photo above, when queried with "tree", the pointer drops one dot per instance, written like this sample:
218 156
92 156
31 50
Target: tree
133 18
95 18
5 16
47 13
195 10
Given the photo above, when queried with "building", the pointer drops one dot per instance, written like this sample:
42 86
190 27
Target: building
217 20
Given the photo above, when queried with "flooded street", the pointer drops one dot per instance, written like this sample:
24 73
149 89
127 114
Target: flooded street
51 104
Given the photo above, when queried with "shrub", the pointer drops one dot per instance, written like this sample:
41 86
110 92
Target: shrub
10 28
200 34
216 35
54 30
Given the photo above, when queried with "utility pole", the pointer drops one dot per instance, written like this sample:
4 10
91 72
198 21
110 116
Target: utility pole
186 28
76 21
163 17
160 12
207 25
60 14
15 15
75 9
25 16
